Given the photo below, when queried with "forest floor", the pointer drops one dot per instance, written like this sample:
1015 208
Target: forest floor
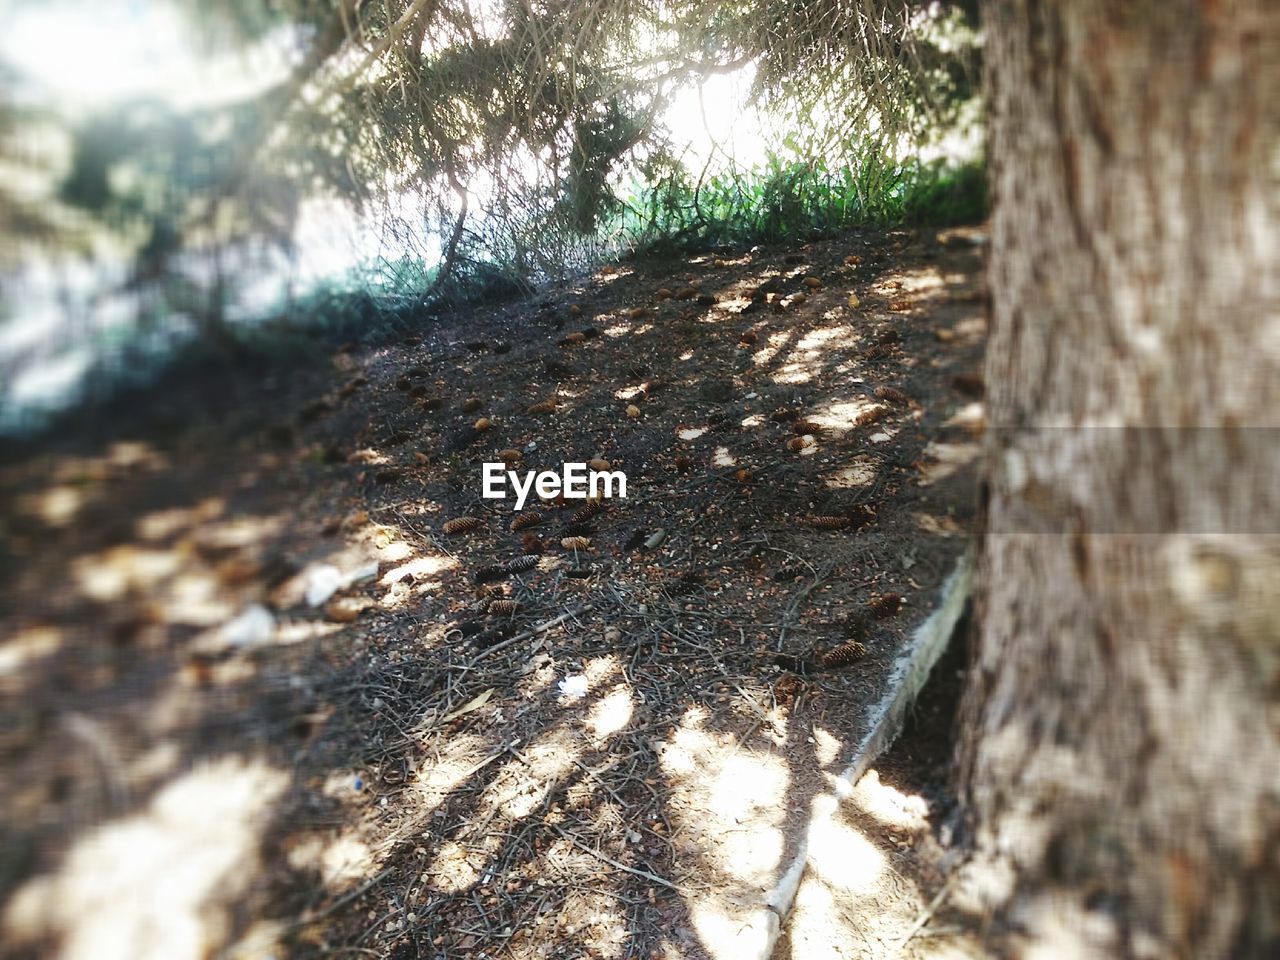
256 702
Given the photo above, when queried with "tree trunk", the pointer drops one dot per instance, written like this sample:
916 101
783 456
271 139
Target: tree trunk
1120 743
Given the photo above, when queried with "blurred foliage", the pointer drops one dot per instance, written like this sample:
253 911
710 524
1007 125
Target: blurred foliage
498 143
548 104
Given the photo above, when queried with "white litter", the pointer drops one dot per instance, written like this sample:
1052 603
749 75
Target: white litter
574 687
323 580
251 627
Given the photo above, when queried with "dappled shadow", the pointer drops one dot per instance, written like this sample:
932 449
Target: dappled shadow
201 753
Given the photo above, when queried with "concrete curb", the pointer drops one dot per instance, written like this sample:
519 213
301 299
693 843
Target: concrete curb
886 717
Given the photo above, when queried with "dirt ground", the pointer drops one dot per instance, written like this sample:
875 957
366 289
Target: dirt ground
257 702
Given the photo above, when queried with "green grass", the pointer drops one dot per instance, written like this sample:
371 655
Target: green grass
793 201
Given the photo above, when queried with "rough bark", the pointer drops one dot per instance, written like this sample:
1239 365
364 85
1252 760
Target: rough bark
1120 747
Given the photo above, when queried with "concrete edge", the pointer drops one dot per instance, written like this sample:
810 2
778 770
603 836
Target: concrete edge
910 671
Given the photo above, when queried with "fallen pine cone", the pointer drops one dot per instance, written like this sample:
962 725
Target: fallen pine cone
878 352
829 522
471 405
496 571
526 520
892 394
532 544
870 416
569 338
801 427
509 456
588 510
462 525
503 608
576 543
785 690
543 406
886 605
843 655
520 564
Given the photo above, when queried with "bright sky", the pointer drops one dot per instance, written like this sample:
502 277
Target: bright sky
92 55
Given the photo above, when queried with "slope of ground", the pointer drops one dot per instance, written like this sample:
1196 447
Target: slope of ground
257 701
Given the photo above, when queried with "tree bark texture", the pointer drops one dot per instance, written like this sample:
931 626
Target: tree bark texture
1120 742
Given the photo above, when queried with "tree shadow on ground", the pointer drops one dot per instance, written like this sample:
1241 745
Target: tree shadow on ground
196 760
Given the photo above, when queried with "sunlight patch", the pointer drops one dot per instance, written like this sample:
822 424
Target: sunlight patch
945 459
971 418
824 338
160 883
723 458
861 472
612 713
124 569
793 373
417 569
889 805
196 598
522 785
56 506
938 526
21 648
163 524
843 415
460 757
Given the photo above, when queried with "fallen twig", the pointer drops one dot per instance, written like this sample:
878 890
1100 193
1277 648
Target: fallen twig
819 578
652 877
925 915
342 901
533 631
